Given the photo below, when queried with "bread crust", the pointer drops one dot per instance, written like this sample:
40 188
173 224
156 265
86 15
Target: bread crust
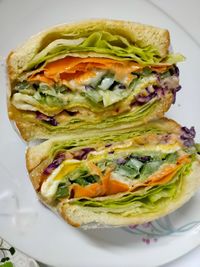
142 34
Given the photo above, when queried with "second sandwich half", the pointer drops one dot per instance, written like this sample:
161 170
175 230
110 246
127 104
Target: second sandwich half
127 177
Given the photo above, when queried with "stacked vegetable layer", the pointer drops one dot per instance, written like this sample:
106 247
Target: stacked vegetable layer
98 91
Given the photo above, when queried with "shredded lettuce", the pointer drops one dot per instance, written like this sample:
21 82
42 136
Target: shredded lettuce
50 100
132 167
111 97
99 122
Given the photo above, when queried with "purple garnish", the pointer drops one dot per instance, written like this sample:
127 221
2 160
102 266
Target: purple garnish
42 117
71 113
88 87
150 89
121 86
174 91
174 97
143 99
143 159
158 77
133 226
121 161
178 88
56 162
159 91
108 145
188 135
83 153
52 121
174 71
188 142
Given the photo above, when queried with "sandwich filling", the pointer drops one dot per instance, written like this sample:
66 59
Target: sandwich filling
93 79
118 168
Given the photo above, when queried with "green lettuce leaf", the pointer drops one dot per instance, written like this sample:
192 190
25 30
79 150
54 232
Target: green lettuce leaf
111 97
99 42
99 126
174 58
149 168
151 199
53 99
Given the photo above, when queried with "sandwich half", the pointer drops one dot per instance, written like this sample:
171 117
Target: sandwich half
91 75
116 178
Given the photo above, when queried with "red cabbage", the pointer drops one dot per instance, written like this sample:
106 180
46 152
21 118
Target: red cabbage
121 161
187 136
42 117
174 71
108 145
174 91
56 162
143 159
83 153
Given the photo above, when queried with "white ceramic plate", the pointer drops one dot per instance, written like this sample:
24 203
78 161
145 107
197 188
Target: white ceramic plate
31 227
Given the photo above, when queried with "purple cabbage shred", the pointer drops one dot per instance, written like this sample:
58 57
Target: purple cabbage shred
121 161
56 162
108 145
143 159
187 136
42 117
174 93
121 86
83 153
174 71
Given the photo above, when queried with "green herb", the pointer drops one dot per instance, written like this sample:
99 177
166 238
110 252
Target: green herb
86 180
171 158
165 74
7 264
62 191
149 168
